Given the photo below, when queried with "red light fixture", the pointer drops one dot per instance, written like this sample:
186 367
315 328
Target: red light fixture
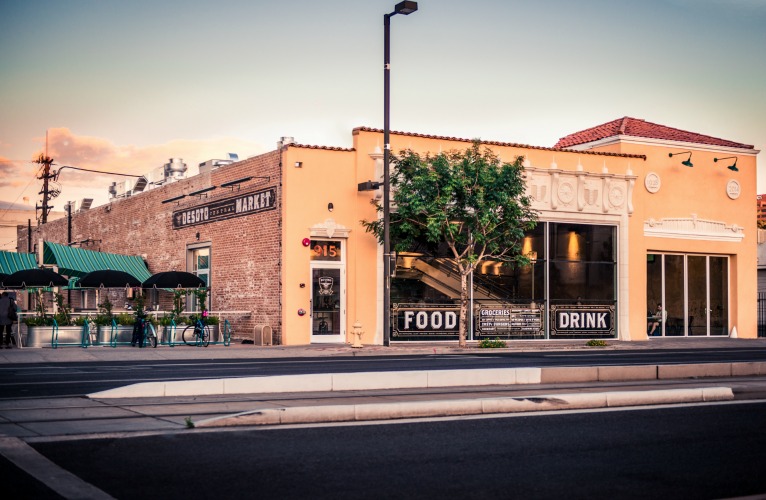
306 242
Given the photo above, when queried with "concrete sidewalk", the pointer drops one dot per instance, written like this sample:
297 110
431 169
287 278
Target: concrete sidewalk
399 386
66 354
335 397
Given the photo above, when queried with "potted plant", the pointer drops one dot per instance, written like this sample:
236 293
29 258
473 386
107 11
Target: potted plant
104 320
40 328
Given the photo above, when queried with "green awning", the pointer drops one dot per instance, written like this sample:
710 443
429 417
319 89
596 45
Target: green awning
75 262
10 262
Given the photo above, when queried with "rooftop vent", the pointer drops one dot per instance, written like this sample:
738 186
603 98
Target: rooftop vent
284 141
84 204
210 165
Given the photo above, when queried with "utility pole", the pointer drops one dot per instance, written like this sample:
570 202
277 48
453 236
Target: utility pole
45 176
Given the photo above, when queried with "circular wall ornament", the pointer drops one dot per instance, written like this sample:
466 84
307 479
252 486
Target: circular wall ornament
652 182
616 196
733 189
566 193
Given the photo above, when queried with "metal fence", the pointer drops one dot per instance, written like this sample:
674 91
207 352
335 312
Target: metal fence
762 314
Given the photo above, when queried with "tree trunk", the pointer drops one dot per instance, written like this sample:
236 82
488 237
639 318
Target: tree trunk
463 308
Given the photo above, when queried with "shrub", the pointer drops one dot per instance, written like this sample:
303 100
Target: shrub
596 343
64 314
125 319
492 344
38 321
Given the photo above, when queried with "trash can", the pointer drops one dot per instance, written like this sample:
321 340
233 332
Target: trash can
262 335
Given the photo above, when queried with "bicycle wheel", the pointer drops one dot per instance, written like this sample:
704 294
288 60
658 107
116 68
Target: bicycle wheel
206 334
151 338
189 337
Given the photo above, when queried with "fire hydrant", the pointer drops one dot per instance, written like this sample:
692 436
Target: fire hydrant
357 335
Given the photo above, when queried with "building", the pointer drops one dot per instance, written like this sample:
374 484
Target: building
761 208
632 215
13 215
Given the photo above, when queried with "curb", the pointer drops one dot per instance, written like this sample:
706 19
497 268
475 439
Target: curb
489 406
426 379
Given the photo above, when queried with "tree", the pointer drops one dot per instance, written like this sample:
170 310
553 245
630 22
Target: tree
471 201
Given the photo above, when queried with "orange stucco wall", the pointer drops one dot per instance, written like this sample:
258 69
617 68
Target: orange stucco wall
331 175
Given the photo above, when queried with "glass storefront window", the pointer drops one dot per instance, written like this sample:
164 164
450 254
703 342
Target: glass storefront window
583 267
693 290
198 262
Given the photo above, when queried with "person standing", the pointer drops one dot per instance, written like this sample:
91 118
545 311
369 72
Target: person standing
7 317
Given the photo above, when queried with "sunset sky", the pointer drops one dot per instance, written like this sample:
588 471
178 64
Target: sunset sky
123 86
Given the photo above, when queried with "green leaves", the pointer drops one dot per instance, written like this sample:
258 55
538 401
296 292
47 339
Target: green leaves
470 200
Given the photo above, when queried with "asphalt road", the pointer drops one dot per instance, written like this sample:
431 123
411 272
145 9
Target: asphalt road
78 378
708 451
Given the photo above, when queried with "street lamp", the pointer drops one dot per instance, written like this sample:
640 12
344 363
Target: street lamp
404 8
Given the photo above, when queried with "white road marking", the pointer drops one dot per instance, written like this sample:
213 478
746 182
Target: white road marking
51 475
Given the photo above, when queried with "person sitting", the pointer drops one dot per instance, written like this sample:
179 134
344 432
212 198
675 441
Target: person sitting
659 317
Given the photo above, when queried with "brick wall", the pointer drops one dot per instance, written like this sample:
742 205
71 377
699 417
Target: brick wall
245 250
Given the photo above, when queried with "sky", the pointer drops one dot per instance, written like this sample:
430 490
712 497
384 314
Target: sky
123 86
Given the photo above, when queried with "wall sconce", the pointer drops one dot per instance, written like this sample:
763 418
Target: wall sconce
298 164
197 236
330 207
733 166
306 242
687 162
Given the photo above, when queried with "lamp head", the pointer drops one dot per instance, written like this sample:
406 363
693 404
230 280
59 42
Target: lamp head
406 8
687 162
733 166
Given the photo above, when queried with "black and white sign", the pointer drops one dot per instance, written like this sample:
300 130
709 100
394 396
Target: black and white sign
227 208
426 321
511 321
582 321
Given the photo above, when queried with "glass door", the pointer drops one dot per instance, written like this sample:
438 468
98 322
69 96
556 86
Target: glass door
719 296
693 290
327 305
698 305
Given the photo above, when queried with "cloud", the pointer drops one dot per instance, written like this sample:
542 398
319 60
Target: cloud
99 153
16 174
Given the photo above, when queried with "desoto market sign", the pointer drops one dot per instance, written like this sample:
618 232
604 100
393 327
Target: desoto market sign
236 206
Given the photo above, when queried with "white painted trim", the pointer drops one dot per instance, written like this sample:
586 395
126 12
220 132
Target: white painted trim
692 228
646 141
329 229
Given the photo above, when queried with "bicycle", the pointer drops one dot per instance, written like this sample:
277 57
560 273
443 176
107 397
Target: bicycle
197 334
150 334
143 332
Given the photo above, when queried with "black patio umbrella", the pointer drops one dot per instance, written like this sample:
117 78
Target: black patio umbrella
108 278
174 279
37 277
3 277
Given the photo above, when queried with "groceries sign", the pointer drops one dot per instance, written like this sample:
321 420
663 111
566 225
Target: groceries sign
227 208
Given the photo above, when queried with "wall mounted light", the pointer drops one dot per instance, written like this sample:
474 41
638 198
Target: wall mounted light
733 166
330 207
687 162
298 164
306 242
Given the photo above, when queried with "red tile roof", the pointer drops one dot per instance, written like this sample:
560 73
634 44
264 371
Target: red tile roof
491 143
641 128
309 146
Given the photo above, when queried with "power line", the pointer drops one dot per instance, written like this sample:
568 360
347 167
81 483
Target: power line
56 175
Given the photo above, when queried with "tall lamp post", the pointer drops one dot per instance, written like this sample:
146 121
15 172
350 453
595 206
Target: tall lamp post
405 8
